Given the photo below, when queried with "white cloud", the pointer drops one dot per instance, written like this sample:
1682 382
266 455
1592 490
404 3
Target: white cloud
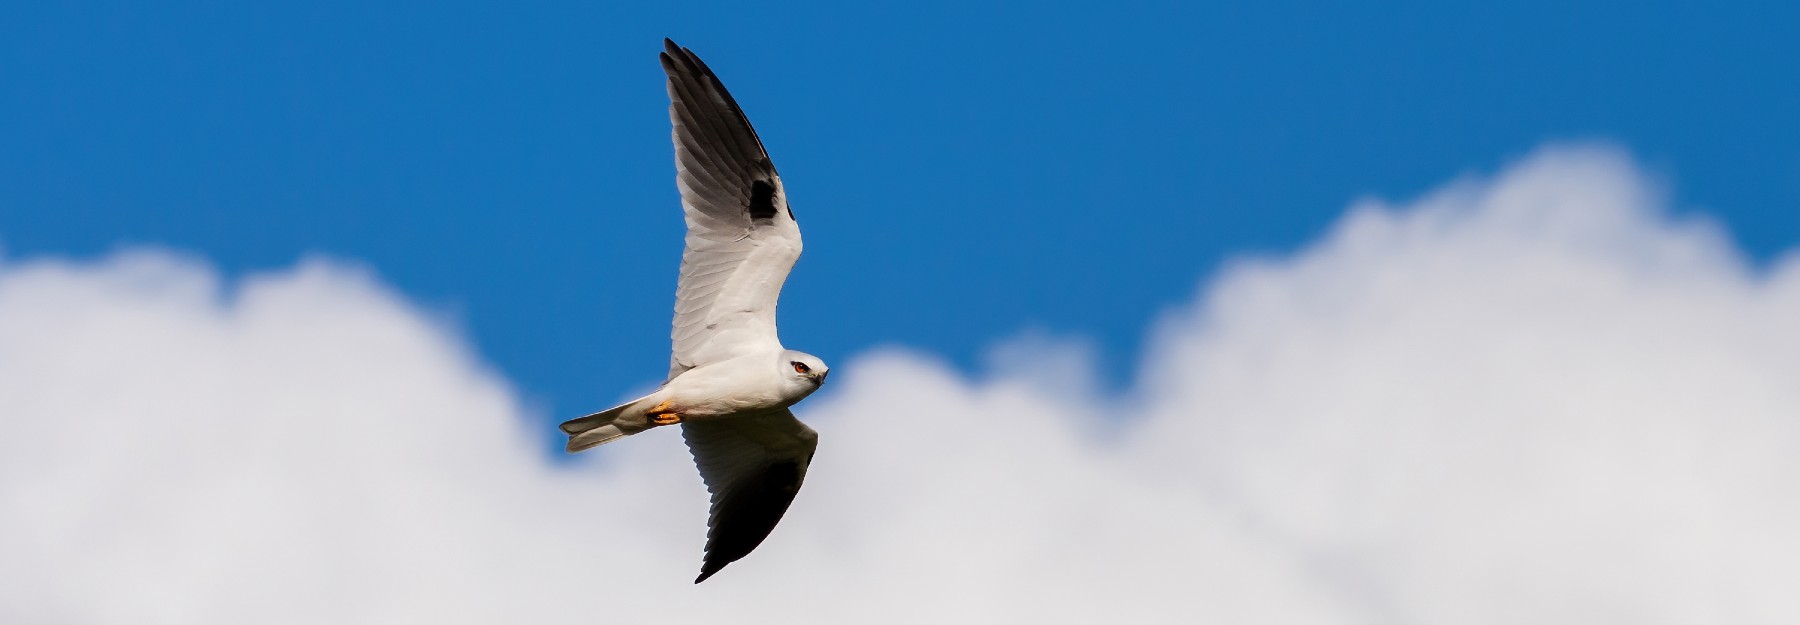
1534 399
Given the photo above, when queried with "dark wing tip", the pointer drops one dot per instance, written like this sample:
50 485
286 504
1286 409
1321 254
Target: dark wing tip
747 512
673 59
682 60
715 114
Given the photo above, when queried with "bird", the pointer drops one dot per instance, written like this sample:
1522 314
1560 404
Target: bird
730 383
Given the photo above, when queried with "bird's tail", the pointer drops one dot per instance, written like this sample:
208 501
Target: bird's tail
605 426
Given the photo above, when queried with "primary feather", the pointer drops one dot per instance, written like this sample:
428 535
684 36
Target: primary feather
742 240
753 466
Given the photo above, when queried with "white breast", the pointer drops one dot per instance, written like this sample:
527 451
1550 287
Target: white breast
743 385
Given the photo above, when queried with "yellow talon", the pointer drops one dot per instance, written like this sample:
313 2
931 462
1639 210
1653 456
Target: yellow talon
662 415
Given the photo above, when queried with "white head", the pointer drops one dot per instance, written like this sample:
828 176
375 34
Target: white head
801 368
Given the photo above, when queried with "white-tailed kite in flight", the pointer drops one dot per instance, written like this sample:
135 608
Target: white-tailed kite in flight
730 381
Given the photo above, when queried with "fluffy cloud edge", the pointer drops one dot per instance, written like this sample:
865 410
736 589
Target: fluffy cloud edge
1532 396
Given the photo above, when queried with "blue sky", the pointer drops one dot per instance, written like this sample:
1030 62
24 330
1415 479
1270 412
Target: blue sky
1535 399
963 173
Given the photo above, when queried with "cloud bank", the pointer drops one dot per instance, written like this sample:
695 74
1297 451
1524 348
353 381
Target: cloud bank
1530 398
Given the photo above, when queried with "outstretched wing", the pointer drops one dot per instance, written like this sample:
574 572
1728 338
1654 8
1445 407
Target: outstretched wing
753 465
741 237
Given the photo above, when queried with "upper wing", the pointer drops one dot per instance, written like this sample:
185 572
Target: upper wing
753 466
741 237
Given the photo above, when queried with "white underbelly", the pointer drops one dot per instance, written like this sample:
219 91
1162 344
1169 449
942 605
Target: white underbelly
722 391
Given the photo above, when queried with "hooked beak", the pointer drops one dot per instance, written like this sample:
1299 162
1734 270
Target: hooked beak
820 379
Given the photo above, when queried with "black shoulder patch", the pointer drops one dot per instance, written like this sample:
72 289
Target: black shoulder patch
762 200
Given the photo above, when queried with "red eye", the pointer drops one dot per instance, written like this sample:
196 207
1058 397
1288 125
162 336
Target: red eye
800 367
